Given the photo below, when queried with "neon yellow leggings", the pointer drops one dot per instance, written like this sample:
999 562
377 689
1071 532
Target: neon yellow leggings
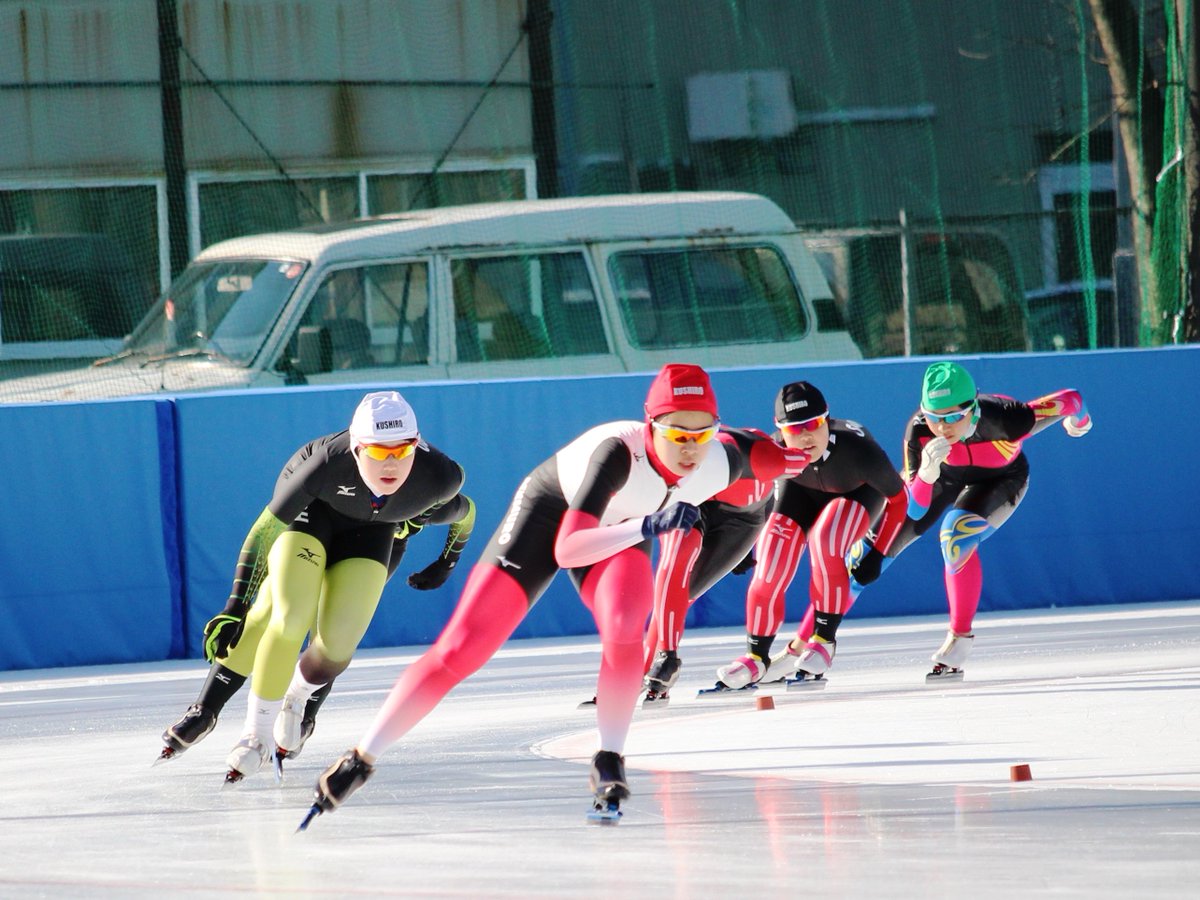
241 657
336 604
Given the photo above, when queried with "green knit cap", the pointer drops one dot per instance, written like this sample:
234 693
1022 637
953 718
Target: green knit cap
946 384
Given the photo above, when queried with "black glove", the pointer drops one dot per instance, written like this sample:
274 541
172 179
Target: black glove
224 630
678 515
413 525
867 565
433 575
745 565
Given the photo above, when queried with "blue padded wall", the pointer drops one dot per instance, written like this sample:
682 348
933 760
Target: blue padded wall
120 532
88 573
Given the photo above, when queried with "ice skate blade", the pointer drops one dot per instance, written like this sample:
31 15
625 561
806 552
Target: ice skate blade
806 683
944 676
277 765
605 813
168 754
656 700
312 814
232 777
587 704
723 690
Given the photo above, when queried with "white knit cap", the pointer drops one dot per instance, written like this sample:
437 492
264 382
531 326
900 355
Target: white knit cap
383 417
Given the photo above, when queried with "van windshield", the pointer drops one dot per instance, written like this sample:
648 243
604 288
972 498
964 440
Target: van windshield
222 309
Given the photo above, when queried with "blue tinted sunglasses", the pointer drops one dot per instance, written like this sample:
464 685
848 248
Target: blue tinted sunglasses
951 417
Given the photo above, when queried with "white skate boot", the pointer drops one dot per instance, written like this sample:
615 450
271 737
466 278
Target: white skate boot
289 726
812 664
741 674
949 659
248 756
781 667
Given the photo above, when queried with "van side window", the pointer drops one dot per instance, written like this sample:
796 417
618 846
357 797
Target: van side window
525 307
698 298
365 317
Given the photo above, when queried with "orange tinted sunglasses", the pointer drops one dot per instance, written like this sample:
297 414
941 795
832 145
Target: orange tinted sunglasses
683 435
801 427
381 452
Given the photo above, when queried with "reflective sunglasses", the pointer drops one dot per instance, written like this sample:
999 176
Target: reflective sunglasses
801 427
949 418
683 435
381 452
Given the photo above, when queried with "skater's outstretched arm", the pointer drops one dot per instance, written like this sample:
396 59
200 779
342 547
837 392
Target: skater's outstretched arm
1064 406
222 632
435 574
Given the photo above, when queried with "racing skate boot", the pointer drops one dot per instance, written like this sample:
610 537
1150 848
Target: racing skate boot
247 756
949 659
337 783
812 663
293 726
662 675
743 672
782 665
195 725
609 787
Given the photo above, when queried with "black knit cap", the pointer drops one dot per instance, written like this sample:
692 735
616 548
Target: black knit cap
798 402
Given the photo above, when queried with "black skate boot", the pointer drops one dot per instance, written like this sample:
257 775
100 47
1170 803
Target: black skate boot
309 723
195 725
609 787
662 676
337 783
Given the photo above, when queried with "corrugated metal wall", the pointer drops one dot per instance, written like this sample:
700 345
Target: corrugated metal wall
317 81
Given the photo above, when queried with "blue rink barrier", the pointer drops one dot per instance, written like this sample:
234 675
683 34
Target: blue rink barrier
88 565
123 519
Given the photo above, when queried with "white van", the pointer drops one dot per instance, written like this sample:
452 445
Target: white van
535 288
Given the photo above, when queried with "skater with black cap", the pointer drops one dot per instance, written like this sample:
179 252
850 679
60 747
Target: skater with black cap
827 508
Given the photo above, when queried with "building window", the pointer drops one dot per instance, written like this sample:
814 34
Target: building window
1058 186
229 209
226 206
401 192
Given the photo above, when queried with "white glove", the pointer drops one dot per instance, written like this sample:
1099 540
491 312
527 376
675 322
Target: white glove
1076 428
932 457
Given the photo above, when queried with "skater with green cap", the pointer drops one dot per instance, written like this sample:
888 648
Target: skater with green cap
966 470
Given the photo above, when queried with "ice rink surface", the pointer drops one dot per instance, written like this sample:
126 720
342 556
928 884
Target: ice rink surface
876 786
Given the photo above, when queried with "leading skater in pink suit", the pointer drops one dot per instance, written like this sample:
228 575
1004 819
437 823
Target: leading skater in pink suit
592 509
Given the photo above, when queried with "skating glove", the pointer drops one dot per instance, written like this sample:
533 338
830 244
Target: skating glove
795 461
433 575
680 516
408 528
745 565
932 457
1078 426
224 630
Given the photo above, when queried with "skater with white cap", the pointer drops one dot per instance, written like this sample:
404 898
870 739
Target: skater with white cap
328 533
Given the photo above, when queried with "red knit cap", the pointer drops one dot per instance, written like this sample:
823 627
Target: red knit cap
680 386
